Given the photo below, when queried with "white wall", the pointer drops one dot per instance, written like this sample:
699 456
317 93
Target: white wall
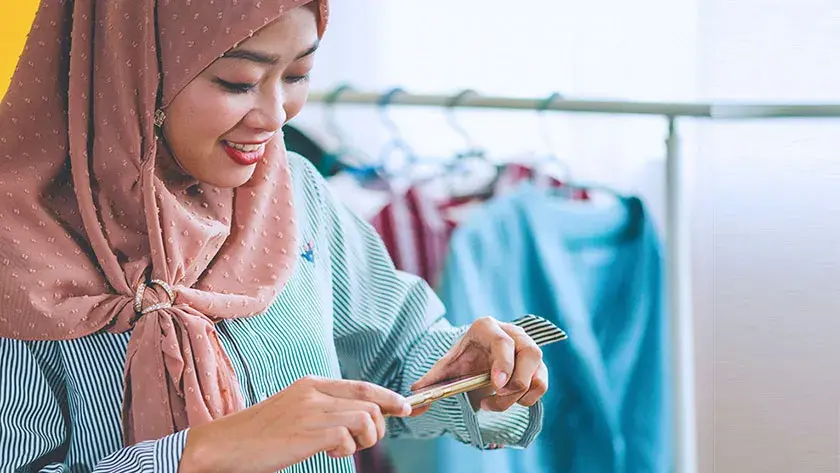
489 46
769 308
767 195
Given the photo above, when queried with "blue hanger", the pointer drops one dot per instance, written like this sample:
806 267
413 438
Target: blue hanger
364 170
397 143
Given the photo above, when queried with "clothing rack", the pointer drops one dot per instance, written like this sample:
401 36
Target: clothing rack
677 224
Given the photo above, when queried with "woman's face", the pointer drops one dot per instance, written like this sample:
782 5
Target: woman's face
217 127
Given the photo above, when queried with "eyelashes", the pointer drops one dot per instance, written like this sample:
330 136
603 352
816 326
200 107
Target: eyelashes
235 87
297 79
245 87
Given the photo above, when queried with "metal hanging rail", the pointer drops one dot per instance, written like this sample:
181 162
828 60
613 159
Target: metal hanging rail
677 225
715 110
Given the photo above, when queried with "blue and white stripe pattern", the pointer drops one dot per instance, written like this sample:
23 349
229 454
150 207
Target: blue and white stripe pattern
346 312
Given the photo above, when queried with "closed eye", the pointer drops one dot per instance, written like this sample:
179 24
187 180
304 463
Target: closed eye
235 87
297 79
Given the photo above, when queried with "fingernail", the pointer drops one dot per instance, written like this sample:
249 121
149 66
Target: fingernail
407 409
501 378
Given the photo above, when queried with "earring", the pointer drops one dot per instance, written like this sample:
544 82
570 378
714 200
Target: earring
160 116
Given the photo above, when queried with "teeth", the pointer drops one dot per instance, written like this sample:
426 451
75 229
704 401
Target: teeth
245 148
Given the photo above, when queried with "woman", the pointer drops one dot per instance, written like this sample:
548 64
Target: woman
177 294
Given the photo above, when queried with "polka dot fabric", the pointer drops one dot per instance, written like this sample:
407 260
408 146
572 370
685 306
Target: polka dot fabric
92 204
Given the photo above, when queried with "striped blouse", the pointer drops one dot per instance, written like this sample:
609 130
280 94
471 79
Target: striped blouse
345 313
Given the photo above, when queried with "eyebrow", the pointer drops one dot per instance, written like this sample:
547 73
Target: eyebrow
309 51
265 58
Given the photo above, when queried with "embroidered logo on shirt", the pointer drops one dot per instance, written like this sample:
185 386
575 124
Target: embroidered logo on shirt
308 252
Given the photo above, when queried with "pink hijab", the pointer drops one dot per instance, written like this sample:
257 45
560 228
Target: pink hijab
100 232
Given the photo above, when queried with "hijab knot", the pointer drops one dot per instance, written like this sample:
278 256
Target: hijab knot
96 203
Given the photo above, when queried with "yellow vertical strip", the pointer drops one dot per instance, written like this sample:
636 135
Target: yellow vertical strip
16 18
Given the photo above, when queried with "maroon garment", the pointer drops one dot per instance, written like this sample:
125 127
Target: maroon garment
415 233
416 227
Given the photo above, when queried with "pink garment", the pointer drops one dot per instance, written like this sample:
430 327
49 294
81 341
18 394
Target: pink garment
92 204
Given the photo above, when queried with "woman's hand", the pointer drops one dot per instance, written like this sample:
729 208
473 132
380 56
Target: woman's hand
312 415
513 358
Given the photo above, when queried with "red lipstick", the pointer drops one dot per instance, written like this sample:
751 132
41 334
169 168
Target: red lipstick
250 155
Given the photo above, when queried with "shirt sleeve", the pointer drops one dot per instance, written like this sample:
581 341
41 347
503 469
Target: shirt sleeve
389 329
34 427
162 455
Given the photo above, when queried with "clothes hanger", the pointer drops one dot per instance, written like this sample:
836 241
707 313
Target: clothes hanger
397 157
351 160
469 177
361 183
553 167
470 172
471 150
548 163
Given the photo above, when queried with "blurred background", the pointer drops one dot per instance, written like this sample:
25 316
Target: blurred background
764 195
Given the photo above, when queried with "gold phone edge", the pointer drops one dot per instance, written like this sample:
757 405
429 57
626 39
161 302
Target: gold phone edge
470 384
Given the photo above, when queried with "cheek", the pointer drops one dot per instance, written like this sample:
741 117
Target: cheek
200 115
295 100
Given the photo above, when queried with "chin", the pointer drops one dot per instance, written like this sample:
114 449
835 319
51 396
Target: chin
230 181
225 177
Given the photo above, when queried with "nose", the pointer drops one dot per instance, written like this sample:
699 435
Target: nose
269 114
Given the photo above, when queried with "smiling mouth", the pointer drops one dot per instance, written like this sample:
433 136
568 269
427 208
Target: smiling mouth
248 148
245 154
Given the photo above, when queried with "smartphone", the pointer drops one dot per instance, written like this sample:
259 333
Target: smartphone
540 330
449 388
